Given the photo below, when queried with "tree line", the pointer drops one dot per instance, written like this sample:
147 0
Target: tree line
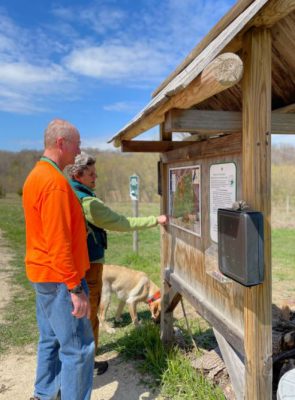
114 169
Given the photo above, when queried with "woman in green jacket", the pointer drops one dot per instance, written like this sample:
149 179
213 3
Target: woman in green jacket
100 217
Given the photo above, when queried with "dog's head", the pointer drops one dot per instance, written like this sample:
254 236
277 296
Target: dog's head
155 306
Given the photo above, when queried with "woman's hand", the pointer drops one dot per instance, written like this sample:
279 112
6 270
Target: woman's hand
163 219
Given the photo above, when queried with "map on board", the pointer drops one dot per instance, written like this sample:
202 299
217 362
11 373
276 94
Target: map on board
185 199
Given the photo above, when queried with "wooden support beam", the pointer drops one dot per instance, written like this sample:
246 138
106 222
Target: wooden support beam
223 72
203 121
144 146
167 333
283 123
163 134
221 146
284 110
257 193
174 299
272 12
213 122
207 311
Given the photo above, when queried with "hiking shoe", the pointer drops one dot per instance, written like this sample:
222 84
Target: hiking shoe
100 367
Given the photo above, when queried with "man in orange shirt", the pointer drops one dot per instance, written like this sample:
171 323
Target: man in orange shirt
56 262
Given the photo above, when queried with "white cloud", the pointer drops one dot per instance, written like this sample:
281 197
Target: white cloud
26 74
105 41
118 62
28 79
147 46
26 89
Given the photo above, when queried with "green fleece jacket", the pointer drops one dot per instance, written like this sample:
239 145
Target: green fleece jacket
98 214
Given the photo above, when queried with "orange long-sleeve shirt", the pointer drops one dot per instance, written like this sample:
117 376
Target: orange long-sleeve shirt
56 247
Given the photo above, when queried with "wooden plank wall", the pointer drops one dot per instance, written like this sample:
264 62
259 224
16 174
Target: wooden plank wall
185 254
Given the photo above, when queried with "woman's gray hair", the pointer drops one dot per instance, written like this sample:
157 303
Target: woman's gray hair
82 162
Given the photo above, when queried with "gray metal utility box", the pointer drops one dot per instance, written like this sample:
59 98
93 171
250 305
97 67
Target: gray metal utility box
240 245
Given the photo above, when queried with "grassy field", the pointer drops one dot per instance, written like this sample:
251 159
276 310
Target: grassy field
283 264
20 327
142 345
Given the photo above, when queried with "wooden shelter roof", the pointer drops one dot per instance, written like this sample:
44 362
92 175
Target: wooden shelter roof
225 37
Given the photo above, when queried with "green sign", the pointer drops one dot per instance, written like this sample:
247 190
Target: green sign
134 187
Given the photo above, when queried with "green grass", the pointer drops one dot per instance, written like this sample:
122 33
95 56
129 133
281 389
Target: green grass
181 382
283 251
20 327
169 370
120 245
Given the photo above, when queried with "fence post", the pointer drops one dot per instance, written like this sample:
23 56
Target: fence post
287 204
135 233
134 195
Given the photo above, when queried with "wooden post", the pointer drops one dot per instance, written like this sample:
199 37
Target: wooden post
135 233
287 204
257 193
134 194
166 317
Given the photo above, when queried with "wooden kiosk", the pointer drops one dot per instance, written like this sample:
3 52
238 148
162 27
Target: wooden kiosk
230 93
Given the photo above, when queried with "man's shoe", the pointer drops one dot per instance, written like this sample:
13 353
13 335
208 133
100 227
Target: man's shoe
100 367
34 398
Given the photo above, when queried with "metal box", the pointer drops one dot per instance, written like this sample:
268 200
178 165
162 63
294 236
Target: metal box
240 245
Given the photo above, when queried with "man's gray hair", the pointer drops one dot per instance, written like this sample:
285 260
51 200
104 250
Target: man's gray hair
82 162
57 128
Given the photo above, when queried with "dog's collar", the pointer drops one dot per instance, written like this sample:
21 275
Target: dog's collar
155 297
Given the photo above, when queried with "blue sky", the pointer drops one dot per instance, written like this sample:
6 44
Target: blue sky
94 63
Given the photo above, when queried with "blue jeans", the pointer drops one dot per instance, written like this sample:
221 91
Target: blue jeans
66 346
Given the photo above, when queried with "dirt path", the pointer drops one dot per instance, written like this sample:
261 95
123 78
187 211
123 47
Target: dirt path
5 273
120 382
17 368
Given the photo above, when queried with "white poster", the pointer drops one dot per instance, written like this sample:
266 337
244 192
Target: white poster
222 189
